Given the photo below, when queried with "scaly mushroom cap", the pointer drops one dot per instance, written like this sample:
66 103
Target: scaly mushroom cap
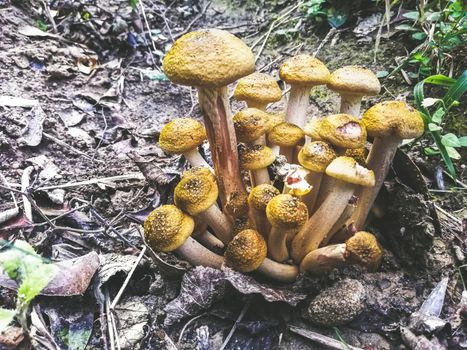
363 249
316 156
196 191
274 119
181 135
259 88
240 224
286 211
304 70
208 58
354 80
393 118
286 134
167 228
343 130
246 252
250 124
256 157
261 195
237 204
359 154
311 129
347 169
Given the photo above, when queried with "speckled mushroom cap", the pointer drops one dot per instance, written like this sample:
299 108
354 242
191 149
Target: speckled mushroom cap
181 135
167 228
256 157
286 134
257 88
343 130
393 118
246 252
347 169
237 205
250 124
274 119
196 191
316 156
240 224
354 80
304 70
363 249
311 129
208 58
359 154
286 211
261 195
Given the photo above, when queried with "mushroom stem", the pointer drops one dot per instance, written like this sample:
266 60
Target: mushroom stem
197 254
287 152
195 159
350 104
277 243
275 149
379 160
260 176
279 272
209 240
214 103
323 259
261 222
297 105
320 223
341 223
218 222
314 179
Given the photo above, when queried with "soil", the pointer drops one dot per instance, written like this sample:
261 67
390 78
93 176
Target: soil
114 117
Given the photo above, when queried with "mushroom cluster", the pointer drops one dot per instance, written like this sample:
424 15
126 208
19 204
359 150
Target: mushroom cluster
313 220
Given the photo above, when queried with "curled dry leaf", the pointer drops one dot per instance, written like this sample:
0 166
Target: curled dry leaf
87 64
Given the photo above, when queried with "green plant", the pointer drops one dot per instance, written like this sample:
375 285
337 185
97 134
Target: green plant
41 25
133 4
434 111
32 274
324 10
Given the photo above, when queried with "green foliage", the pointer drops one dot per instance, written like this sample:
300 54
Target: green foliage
434 111
324 10
133 4
41 25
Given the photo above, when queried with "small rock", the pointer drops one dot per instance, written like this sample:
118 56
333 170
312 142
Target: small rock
339 304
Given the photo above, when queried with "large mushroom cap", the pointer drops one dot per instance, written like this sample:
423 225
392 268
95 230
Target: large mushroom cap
286 134
347 169
261 195
181 135
196 191
393 118
275 118
286 211
343 130
354 80
167 228
246 252
208 58
250 124
258 88
256 157
304 70
311 129
316 156
364 249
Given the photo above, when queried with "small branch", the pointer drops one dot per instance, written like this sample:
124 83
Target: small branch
237 321
25 181
322 339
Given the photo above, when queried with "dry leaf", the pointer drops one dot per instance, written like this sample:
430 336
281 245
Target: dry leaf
32 133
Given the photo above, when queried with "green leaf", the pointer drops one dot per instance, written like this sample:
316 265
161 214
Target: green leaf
41 25
456 90
434 127
444 153
438 115
419 35
406 27
433 16
440 79
336 17
414 15
453 154
382 73
463 141
431 152
450 140
6 317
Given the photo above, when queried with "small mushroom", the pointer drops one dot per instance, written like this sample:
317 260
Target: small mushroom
183 136
287 136
256 159
353 83
196 194
251 125
257 90
286 214
258 199
301 72
347 174
389 123
343 131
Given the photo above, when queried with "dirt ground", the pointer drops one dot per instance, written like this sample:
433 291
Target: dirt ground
106 124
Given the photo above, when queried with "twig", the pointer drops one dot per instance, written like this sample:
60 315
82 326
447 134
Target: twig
71 148
115 330
132 176
102 138
328 342
323 42
49 15
197 18
109 319
110 227
24 186
149 30
237 321
180 337
449 215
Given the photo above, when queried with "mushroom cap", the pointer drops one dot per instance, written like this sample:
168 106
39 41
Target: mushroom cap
286 211
246 252
250 124
196 191
275 118
363 249
258 87
393 118
256 157
354 80
286 134
240 224
343 130
316 156
261 195
237 204
167 228
304 70
311 129
347 169
295 182
208 58
181 135
359 154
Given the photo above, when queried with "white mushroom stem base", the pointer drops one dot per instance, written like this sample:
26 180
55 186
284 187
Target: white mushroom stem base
209 240
218 222
350 104
321 222
323 259
195 159
297 105
279 272
379 160
197 254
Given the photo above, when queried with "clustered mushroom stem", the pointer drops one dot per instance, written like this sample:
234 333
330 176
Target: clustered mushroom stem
261 222
341 224
261 176
277 271
318 225
209 240
379 160
219 223
350 104
314 180
195 159
277 244
275 149
323 259
297 105
196 254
